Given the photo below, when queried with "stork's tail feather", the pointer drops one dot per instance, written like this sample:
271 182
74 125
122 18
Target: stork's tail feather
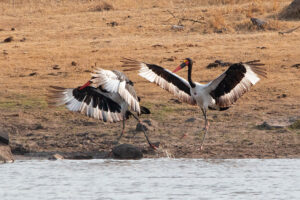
128 62
254 62
56 95
145 110
254 65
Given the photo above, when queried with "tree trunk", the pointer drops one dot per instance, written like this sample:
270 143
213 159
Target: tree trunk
292 11
295 4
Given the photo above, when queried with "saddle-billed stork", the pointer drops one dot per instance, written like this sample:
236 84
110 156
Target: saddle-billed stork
108 96
218 94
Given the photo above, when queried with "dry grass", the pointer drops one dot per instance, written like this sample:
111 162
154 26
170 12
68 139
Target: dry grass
59 32
103 6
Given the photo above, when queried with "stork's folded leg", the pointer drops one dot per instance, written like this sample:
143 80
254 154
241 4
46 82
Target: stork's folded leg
146 136
205 129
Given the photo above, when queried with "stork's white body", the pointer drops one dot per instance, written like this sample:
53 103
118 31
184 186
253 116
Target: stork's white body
201 95
219 94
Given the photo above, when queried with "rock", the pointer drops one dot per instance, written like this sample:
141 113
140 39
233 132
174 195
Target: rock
212 65
4 138
261 47
56 157
147 124
190 120
5 154
258 22
267 126
295 125
112 24
73 63
102 7
36 127
150 122
296 66
127 151
171 59
55 67
9 39
218 63
79 156
177 27
32 74
23 39
19 149
282 96
175 101
141 127
158 46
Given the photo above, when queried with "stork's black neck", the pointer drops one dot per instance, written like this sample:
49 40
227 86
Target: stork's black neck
190 66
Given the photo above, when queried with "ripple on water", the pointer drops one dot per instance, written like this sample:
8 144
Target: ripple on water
151 179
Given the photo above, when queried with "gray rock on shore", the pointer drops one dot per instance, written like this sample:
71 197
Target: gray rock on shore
127 151
147 125
4 138
5 152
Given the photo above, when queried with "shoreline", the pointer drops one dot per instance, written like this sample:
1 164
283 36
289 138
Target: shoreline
48 156
77 39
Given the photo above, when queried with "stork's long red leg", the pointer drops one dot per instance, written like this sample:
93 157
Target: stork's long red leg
206 127
146 136
123 129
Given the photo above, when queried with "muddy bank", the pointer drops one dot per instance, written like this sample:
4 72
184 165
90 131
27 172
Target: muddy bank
66 49
91 139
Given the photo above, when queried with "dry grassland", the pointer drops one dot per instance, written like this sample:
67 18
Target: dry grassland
98 34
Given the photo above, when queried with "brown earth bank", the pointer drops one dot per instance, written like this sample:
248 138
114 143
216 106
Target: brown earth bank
61 42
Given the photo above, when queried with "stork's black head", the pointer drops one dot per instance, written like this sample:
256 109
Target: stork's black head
185 63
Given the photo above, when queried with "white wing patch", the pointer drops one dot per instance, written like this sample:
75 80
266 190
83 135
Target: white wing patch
250 75
112 83
66 97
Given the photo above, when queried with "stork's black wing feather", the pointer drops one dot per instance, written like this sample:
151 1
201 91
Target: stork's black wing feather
162 77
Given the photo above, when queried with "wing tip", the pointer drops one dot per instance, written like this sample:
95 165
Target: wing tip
255 66
132 64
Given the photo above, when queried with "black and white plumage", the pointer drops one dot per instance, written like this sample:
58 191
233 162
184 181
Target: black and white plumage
218 94
108 96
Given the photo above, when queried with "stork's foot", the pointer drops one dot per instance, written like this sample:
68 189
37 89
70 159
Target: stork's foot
184 136
201 148
206 127
155 145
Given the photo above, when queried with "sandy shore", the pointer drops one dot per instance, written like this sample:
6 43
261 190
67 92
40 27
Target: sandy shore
62 43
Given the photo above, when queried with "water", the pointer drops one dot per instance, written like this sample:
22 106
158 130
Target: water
151 179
